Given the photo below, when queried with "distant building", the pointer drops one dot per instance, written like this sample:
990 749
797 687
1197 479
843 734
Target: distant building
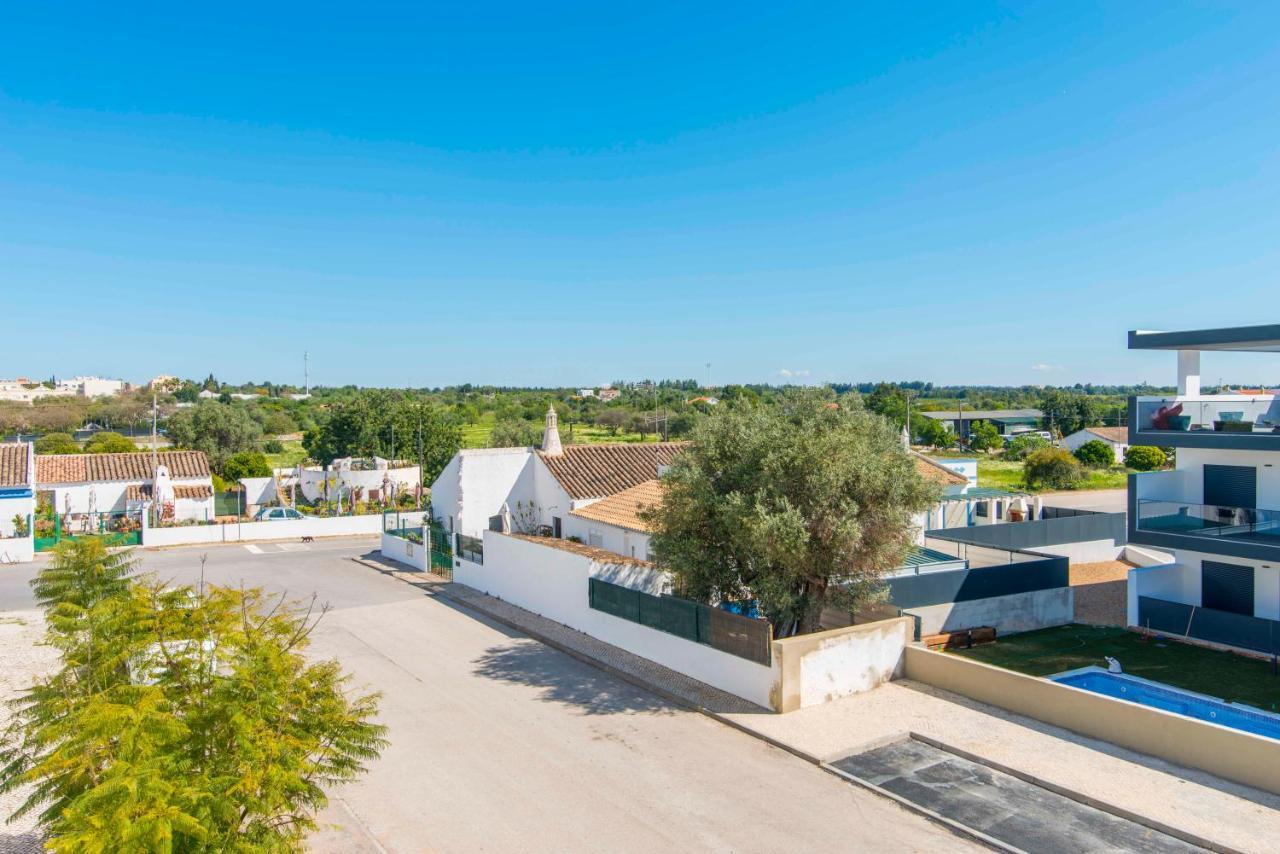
1116 438
1008 422
23 390
80 485
164 382
608 394
91 386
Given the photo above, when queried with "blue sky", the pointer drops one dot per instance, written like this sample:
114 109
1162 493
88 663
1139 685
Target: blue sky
572 193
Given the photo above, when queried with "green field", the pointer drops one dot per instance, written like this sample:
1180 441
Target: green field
477 435
1205 671
1007 474
292 454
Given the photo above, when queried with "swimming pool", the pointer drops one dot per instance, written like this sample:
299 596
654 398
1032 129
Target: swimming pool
1122 686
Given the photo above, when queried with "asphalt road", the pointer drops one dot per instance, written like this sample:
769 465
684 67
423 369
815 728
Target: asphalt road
499 743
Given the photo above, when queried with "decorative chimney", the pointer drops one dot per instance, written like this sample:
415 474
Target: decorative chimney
906 438
551 435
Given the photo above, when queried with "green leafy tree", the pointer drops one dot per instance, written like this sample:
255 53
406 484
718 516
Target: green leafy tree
181 719
386 424
797 505
273 446
1069 411
1052 468
218 429
890 401
108 442
932 432
613 420
245 464
983 436
1019 447
57 443
1144 458
514 433
1096 453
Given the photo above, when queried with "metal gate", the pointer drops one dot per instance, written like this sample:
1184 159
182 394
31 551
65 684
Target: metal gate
117 529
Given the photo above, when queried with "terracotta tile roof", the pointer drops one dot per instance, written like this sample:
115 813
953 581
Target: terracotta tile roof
194 493
935 472
623 509
597 471
90 468
602 555
13 464
1119 435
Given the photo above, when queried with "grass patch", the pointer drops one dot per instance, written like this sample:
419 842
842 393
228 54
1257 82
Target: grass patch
1205 671
477 435
292 454
1007 474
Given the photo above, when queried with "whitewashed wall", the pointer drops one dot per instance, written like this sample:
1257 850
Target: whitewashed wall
413 555
276 530
553 582
617 539
312 481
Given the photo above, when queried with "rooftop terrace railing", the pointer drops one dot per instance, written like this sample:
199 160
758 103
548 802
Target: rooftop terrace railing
1206 520
1249 414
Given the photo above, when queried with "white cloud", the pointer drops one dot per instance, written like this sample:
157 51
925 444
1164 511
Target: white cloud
788 373
1041 366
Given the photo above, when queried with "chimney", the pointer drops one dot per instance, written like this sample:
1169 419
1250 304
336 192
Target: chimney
551 435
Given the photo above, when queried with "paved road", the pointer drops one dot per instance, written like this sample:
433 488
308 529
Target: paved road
500 743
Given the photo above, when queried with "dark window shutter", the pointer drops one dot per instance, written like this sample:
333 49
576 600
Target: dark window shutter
1226 587
1231 486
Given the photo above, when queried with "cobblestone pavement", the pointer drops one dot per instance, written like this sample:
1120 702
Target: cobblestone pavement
650 674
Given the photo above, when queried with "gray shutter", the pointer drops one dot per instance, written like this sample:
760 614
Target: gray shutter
1231 486
1226 587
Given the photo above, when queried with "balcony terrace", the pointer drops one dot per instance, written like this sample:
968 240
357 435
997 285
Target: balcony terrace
1233 422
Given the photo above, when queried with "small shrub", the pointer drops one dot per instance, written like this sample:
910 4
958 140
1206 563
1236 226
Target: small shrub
1144 458
1018 448
108 442
1097 454
245 464
1052 468
57 443
273 446
983 436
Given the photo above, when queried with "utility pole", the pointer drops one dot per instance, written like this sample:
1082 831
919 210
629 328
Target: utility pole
306 372
155 459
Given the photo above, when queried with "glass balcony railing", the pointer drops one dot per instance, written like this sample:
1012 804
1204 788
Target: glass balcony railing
1207 520
1256 414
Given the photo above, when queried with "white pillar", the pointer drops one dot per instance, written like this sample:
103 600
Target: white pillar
1188 373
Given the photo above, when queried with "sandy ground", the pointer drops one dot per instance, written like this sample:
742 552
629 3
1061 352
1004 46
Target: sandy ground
22 660
1101 592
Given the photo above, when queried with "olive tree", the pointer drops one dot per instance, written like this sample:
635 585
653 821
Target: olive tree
797 505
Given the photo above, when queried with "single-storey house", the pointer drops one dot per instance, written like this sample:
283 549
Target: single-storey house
615 523
1117 438
527 490
179 483
17 501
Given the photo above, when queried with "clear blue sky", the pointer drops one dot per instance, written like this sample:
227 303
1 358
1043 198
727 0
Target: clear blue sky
530 193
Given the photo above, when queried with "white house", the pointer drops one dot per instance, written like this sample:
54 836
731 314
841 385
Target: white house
1116 438
615 523
17 502
178 482
375 478
528 489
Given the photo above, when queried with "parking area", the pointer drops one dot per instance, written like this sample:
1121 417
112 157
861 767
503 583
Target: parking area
500 743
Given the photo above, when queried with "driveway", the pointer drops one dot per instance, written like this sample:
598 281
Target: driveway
500 743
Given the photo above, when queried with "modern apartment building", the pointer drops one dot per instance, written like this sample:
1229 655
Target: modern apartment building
1218 511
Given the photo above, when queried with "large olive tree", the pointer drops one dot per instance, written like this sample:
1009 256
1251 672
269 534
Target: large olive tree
797 505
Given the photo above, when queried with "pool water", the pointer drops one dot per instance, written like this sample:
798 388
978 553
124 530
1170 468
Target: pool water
1144 692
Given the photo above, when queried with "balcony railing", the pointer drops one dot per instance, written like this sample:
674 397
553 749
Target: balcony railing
1207 520
1230 414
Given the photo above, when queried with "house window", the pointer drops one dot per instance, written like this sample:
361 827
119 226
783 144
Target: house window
595 538
980 509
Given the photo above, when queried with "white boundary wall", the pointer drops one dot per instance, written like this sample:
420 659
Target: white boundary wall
553 582
411 554
283 529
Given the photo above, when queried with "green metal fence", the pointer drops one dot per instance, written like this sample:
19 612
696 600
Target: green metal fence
117 529
441 552
732 633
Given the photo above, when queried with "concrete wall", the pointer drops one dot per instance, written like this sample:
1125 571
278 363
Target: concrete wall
413 555
1090 551
553 582
1231 754
313 479
277 530
817 668
1018 612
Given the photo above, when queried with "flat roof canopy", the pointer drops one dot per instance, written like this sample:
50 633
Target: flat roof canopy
1242 339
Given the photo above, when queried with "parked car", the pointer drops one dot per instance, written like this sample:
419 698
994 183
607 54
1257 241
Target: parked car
273 514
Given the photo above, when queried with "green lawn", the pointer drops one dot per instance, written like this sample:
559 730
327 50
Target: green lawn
292 454
477 435
1007 474
1206 671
